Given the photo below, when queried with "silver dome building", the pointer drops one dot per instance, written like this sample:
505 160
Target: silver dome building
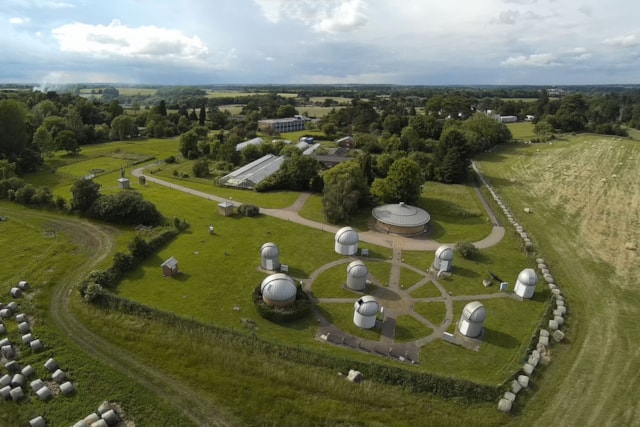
357 273
472 319
278 290
346 241
270 255
526 283
365 311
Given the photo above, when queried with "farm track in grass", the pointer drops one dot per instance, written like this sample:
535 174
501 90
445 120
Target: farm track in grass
97 243
585 196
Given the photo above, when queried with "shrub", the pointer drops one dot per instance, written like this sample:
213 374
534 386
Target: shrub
299 309
170 159
248 210
466 249
93 292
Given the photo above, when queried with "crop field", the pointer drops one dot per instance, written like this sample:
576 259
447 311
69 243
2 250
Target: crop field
569 185
585 196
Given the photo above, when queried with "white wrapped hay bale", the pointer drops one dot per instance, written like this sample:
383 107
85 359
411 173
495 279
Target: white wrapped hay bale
5 380
16 394
24 327
24 285
509 396
559 320
27 338
100 423
553 325
51 365
7 351
67 388
558 336
544 341
36 384
44 393
505 405
58 376
5 313
528 368
3 329
515 387
92 418
81 423
38 421
21 317
18 380
111 417
16 292
36 345
5 392
523 380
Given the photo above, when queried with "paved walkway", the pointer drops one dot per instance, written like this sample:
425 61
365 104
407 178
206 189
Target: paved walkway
395 300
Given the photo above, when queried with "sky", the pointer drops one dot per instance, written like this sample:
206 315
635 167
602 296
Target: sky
407 42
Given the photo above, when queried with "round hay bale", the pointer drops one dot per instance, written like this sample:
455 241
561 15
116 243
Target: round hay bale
562 310
504 405
13 306
553 325
558 336
27 338
542 265
552 286
100 423
540 260
527 369
559 320
7 351
24 327
544 333
24 285
523 380
5 392
548 277
559 303
5 380
544 341
81 423
36 345
44 393
556 291
18 380
21 317
533 360
111 417
557 312
5 313
91 418
12 367
509 396
3 329
67 388
51 365
37 422
36 384
58 376
16 394
528 210
5 341
544 271
515 387
16 292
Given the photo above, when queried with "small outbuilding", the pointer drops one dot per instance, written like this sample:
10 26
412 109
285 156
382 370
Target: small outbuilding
278 290
346 241
270 255
526 283
401 219
124 183
472 319
365 311
225 208
443 260
170 267
357 273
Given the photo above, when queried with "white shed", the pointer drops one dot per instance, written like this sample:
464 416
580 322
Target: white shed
443 260
365 311
270 255
346 241
357 273
526 283
472 319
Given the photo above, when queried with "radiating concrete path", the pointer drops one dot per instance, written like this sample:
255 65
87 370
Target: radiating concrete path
396 300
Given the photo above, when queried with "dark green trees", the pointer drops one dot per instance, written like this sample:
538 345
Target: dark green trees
345 190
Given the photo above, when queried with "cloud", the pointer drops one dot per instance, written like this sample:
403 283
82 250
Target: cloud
18 21
508 17
328 16
534 60
623 41
585 10
117 40
523 2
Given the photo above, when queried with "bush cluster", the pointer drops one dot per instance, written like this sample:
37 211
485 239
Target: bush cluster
466 249
248 210
16 190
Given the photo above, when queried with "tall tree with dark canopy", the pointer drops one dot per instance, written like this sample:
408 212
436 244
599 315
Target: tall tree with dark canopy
402 183
345 190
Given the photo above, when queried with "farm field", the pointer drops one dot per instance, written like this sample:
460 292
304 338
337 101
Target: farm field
585 196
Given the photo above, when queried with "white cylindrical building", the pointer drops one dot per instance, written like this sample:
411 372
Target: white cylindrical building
443 260
365 312
526 283
357 273
346 241
278 290
270 255
472 319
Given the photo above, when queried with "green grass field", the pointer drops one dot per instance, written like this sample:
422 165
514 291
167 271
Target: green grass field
522 131
213 284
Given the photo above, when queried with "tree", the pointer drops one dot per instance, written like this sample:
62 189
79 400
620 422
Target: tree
66 140
162 108
402 183
452 156
84 193
345 190
13 128
543 129
202 117
189 145
200 168
122 127
572 114
296 173
42 138
287 110
483 132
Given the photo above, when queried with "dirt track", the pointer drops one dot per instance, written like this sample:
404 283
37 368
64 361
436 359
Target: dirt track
97 243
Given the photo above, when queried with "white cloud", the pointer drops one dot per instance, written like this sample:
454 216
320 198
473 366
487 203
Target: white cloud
508 17
521 1
534 60
585 10
117 40
623 41
329 16
18 21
